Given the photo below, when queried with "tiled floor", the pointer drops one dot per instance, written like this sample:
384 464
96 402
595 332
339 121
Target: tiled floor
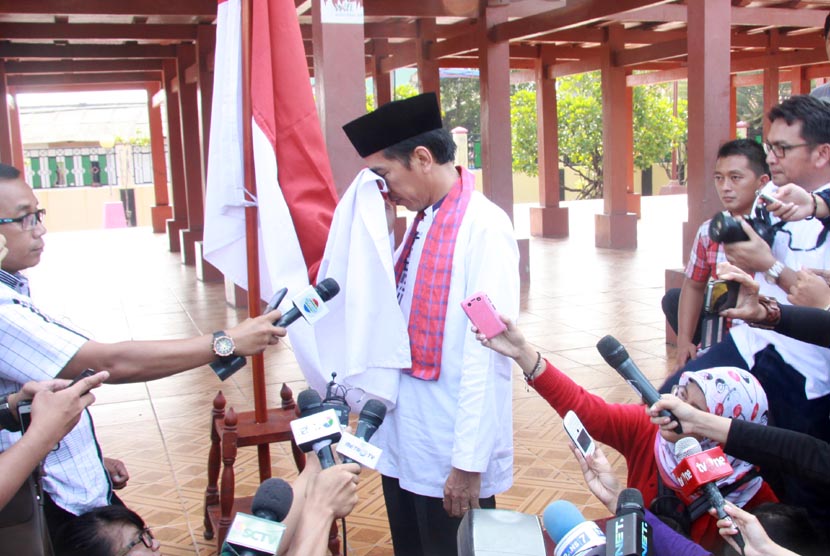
124 284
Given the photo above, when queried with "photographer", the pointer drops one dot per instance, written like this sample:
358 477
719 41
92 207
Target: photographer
56 409
740 171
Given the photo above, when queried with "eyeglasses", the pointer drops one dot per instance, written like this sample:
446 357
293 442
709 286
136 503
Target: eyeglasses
780 151
28 221
145 536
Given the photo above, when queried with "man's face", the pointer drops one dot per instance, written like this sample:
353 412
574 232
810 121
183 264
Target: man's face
797 160
405 184
25 246
736 183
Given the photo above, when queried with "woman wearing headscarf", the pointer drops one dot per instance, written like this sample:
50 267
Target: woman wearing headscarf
648 450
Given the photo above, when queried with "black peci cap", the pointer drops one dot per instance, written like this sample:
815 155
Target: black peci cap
394 122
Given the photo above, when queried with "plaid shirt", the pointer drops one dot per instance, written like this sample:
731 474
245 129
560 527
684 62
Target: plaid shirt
35 347
705 256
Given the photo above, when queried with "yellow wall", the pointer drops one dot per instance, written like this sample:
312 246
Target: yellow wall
82 208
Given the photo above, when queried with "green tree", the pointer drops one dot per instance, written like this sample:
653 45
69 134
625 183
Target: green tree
579 103
461 103
402 91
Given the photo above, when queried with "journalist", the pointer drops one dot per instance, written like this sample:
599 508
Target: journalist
107 531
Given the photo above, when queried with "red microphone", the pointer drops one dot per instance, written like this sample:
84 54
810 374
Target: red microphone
701 468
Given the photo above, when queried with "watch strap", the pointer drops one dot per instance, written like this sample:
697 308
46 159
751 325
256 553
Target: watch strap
773 273
7 419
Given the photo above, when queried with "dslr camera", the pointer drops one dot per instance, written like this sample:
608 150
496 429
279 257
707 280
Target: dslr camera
727 229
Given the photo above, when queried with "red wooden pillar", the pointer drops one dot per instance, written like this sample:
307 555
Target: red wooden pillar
5 129
429 80
632 199
771 78
733 108
174 144
381 80
18 159
161 211
192 148
800 81
549 220
496 154
616 228
340 89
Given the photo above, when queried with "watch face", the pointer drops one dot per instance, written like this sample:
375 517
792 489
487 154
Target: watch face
223 346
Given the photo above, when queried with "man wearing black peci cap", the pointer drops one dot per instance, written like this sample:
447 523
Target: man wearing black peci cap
447 445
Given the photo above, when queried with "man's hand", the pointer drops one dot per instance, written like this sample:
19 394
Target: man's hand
254 335
599 476
461 492
796 203
747 306
753 255
54 414
333 491
810 290
685 352
117 472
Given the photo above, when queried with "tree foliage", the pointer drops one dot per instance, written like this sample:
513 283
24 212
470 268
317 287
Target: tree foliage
402 91
579 112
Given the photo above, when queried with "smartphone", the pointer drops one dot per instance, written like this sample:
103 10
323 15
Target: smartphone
576 430
276 300
720 295
80 377
483 315
768 199
24 412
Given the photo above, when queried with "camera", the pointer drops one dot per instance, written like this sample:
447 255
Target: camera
727 229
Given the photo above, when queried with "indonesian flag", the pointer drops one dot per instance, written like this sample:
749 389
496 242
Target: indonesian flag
295 187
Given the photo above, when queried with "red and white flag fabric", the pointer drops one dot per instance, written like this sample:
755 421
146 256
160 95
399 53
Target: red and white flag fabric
295 188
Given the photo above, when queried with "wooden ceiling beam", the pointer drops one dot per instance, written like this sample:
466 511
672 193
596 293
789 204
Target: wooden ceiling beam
47 51
778 17
575 14
81 87
82 78
421 8
198 8
785 59
571 68
82 66
105 31
655 77
659 51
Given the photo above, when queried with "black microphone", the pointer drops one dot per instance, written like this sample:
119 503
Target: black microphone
249 536
371 417
310 403
615 355
689 446
628 534
326 289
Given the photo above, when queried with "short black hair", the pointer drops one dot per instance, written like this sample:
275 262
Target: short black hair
8 172
813 113
789 527
438 141
90 535
826 26
750 149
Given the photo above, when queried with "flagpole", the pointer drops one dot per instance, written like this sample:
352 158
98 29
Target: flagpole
252 235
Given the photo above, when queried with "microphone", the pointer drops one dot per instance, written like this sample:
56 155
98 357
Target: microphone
572 533
688 447
317 428
260 534
628 534
615 355
371 417
308 305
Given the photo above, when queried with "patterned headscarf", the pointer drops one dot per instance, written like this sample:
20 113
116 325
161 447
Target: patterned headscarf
733 393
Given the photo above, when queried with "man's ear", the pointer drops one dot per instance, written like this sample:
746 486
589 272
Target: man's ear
763 180
422 158
822 155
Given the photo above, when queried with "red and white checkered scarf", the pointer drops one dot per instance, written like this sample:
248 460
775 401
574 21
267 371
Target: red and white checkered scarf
432 281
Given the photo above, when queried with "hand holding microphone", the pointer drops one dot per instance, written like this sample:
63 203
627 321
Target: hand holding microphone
617 357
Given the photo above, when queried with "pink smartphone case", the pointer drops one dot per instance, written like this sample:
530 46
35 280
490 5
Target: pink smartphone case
483 315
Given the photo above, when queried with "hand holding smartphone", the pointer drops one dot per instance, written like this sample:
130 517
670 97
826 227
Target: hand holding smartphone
576 430
276 300
483 315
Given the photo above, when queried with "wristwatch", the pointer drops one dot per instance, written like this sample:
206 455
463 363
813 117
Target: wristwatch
7 419
223 345
773 273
